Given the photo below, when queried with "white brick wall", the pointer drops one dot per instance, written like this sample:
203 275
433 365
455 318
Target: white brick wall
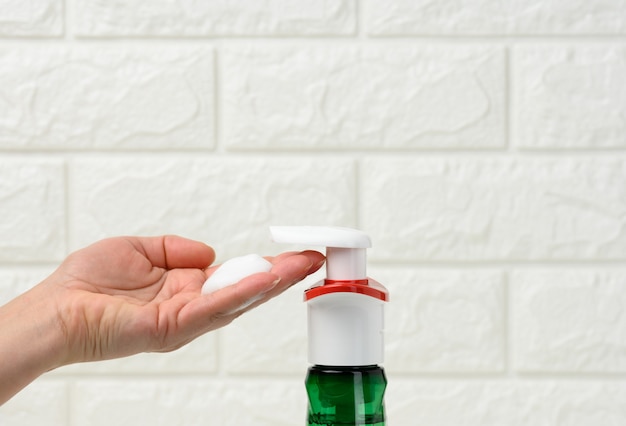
329 97
481 144
31 18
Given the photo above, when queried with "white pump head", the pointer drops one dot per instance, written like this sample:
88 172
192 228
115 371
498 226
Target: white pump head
345 247
345 311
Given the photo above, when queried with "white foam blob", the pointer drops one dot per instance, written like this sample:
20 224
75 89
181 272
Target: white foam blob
234 270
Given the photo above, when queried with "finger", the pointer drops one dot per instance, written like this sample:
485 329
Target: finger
292 268
233 297
316 259
282 256
217 309
171 251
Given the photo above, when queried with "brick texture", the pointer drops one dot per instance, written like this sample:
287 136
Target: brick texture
456 325
479 17
197 18
254 192
31 18
481 145
32 197
85 98
569 321
494 403
188 402
495 209
591 81
42 403
373 98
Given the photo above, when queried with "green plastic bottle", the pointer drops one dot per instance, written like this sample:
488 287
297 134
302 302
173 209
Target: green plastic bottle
345 384
346 396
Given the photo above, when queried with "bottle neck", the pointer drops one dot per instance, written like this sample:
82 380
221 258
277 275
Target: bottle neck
346 263
344 368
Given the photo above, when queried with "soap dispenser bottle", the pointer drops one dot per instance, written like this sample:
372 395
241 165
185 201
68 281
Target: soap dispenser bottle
345 384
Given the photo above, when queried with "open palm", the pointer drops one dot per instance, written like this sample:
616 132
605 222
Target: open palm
127 295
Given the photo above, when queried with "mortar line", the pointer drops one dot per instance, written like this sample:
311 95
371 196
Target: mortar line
454 154
508 101
69 383
66 206
217 102
507 317
360 25
67 21
495 40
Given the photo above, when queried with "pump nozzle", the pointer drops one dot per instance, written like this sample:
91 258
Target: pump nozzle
345 309
345 315
345 247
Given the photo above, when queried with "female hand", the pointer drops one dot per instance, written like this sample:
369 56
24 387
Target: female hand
126 295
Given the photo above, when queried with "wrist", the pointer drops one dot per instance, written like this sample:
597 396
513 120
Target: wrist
31 342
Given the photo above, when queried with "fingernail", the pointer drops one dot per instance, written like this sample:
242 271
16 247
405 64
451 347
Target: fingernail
273 284
308 268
